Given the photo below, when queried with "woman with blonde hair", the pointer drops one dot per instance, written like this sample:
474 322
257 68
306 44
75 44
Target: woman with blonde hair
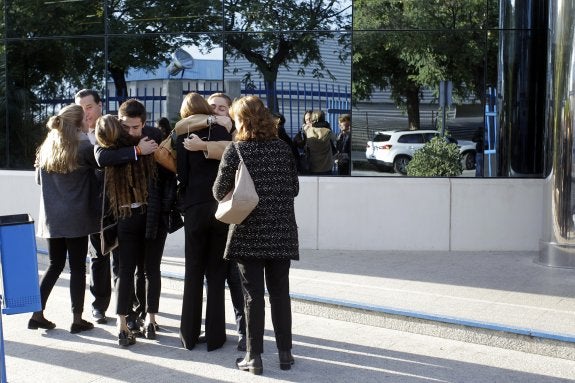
65 170
267 240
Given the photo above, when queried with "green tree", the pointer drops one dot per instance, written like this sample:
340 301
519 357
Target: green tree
276 34
74 46
408 61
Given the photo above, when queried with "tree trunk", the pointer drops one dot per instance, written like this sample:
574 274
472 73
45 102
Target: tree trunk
271 91
412 102
119 78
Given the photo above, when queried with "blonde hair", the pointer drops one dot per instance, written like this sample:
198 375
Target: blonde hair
256 121
125 183
59 151
194 103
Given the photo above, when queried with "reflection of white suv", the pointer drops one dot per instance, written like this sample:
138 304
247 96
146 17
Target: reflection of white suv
395 148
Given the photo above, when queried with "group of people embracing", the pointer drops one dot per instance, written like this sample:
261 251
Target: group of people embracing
92 165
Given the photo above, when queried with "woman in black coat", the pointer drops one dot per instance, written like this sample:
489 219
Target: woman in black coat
267 240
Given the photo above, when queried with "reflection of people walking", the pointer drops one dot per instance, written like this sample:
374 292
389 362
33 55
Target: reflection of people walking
266 241
478 138
65 170
343 145
320 142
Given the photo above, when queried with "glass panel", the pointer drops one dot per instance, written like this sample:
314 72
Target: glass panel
39 18
287 15
160 69
293 72
399 83
38 85
174 16
419 14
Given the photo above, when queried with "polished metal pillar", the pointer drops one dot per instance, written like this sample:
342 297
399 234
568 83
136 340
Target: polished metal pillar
522 72
558 242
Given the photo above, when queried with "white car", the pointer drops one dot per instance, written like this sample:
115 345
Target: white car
395 148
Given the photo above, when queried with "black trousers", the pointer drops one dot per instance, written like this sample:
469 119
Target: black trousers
204 247
134 248
76 249
100 276
237 295
277 281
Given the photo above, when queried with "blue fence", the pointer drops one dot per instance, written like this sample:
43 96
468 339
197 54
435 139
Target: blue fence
490 147
294 99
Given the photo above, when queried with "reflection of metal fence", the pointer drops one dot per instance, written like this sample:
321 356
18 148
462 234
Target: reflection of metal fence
293 100
490 147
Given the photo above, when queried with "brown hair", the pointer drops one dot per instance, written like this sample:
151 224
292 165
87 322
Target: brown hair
194 103
133 108
344 118
125 183
255 120
59 151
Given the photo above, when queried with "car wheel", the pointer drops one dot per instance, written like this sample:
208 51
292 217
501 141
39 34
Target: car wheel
400 164
469 160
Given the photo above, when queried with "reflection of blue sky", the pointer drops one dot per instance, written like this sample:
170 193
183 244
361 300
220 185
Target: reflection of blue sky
216 53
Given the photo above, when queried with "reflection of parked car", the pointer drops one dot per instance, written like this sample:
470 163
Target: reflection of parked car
395 148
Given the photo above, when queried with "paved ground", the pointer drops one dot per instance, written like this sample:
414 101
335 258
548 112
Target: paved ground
503 291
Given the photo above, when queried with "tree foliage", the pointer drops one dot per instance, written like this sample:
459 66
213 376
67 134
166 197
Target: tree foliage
284 33
408 45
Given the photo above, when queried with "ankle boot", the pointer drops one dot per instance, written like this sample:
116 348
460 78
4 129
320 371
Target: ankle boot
252 363
286 359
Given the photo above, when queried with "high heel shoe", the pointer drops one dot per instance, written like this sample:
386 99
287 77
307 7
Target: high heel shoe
286 359
35 324
150 331
252 363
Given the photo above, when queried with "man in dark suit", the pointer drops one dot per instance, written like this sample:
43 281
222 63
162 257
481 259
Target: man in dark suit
100 276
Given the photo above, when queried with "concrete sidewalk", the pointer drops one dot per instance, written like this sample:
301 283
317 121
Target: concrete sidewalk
358 316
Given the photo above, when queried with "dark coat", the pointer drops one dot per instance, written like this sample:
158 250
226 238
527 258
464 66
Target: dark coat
69 202
161 192
196 173
270 231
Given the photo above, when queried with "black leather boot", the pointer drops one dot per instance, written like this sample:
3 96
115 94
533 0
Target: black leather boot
252 363
286 359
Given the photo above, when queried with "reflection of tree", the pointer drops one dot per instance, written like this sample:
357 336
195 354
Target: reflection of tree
273 45
150 24
452 48
44 66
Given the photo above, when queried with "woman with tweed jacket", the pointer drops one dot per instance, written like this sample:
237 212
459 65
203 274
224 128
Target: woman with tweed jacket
267 240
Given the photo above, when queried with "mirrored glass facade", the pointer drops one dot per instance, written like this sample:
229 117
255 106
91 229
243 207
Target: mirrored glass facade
391 65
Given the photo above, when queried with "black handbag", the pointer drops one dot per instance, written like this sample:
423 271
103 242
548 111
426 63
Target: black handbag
175 221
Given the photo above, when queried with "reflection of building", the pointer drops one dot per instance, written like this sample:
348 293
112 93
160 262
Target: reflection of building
163 93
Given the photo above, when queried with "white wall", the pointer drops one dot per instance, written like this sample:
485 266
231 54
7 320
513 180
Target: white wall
385 213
